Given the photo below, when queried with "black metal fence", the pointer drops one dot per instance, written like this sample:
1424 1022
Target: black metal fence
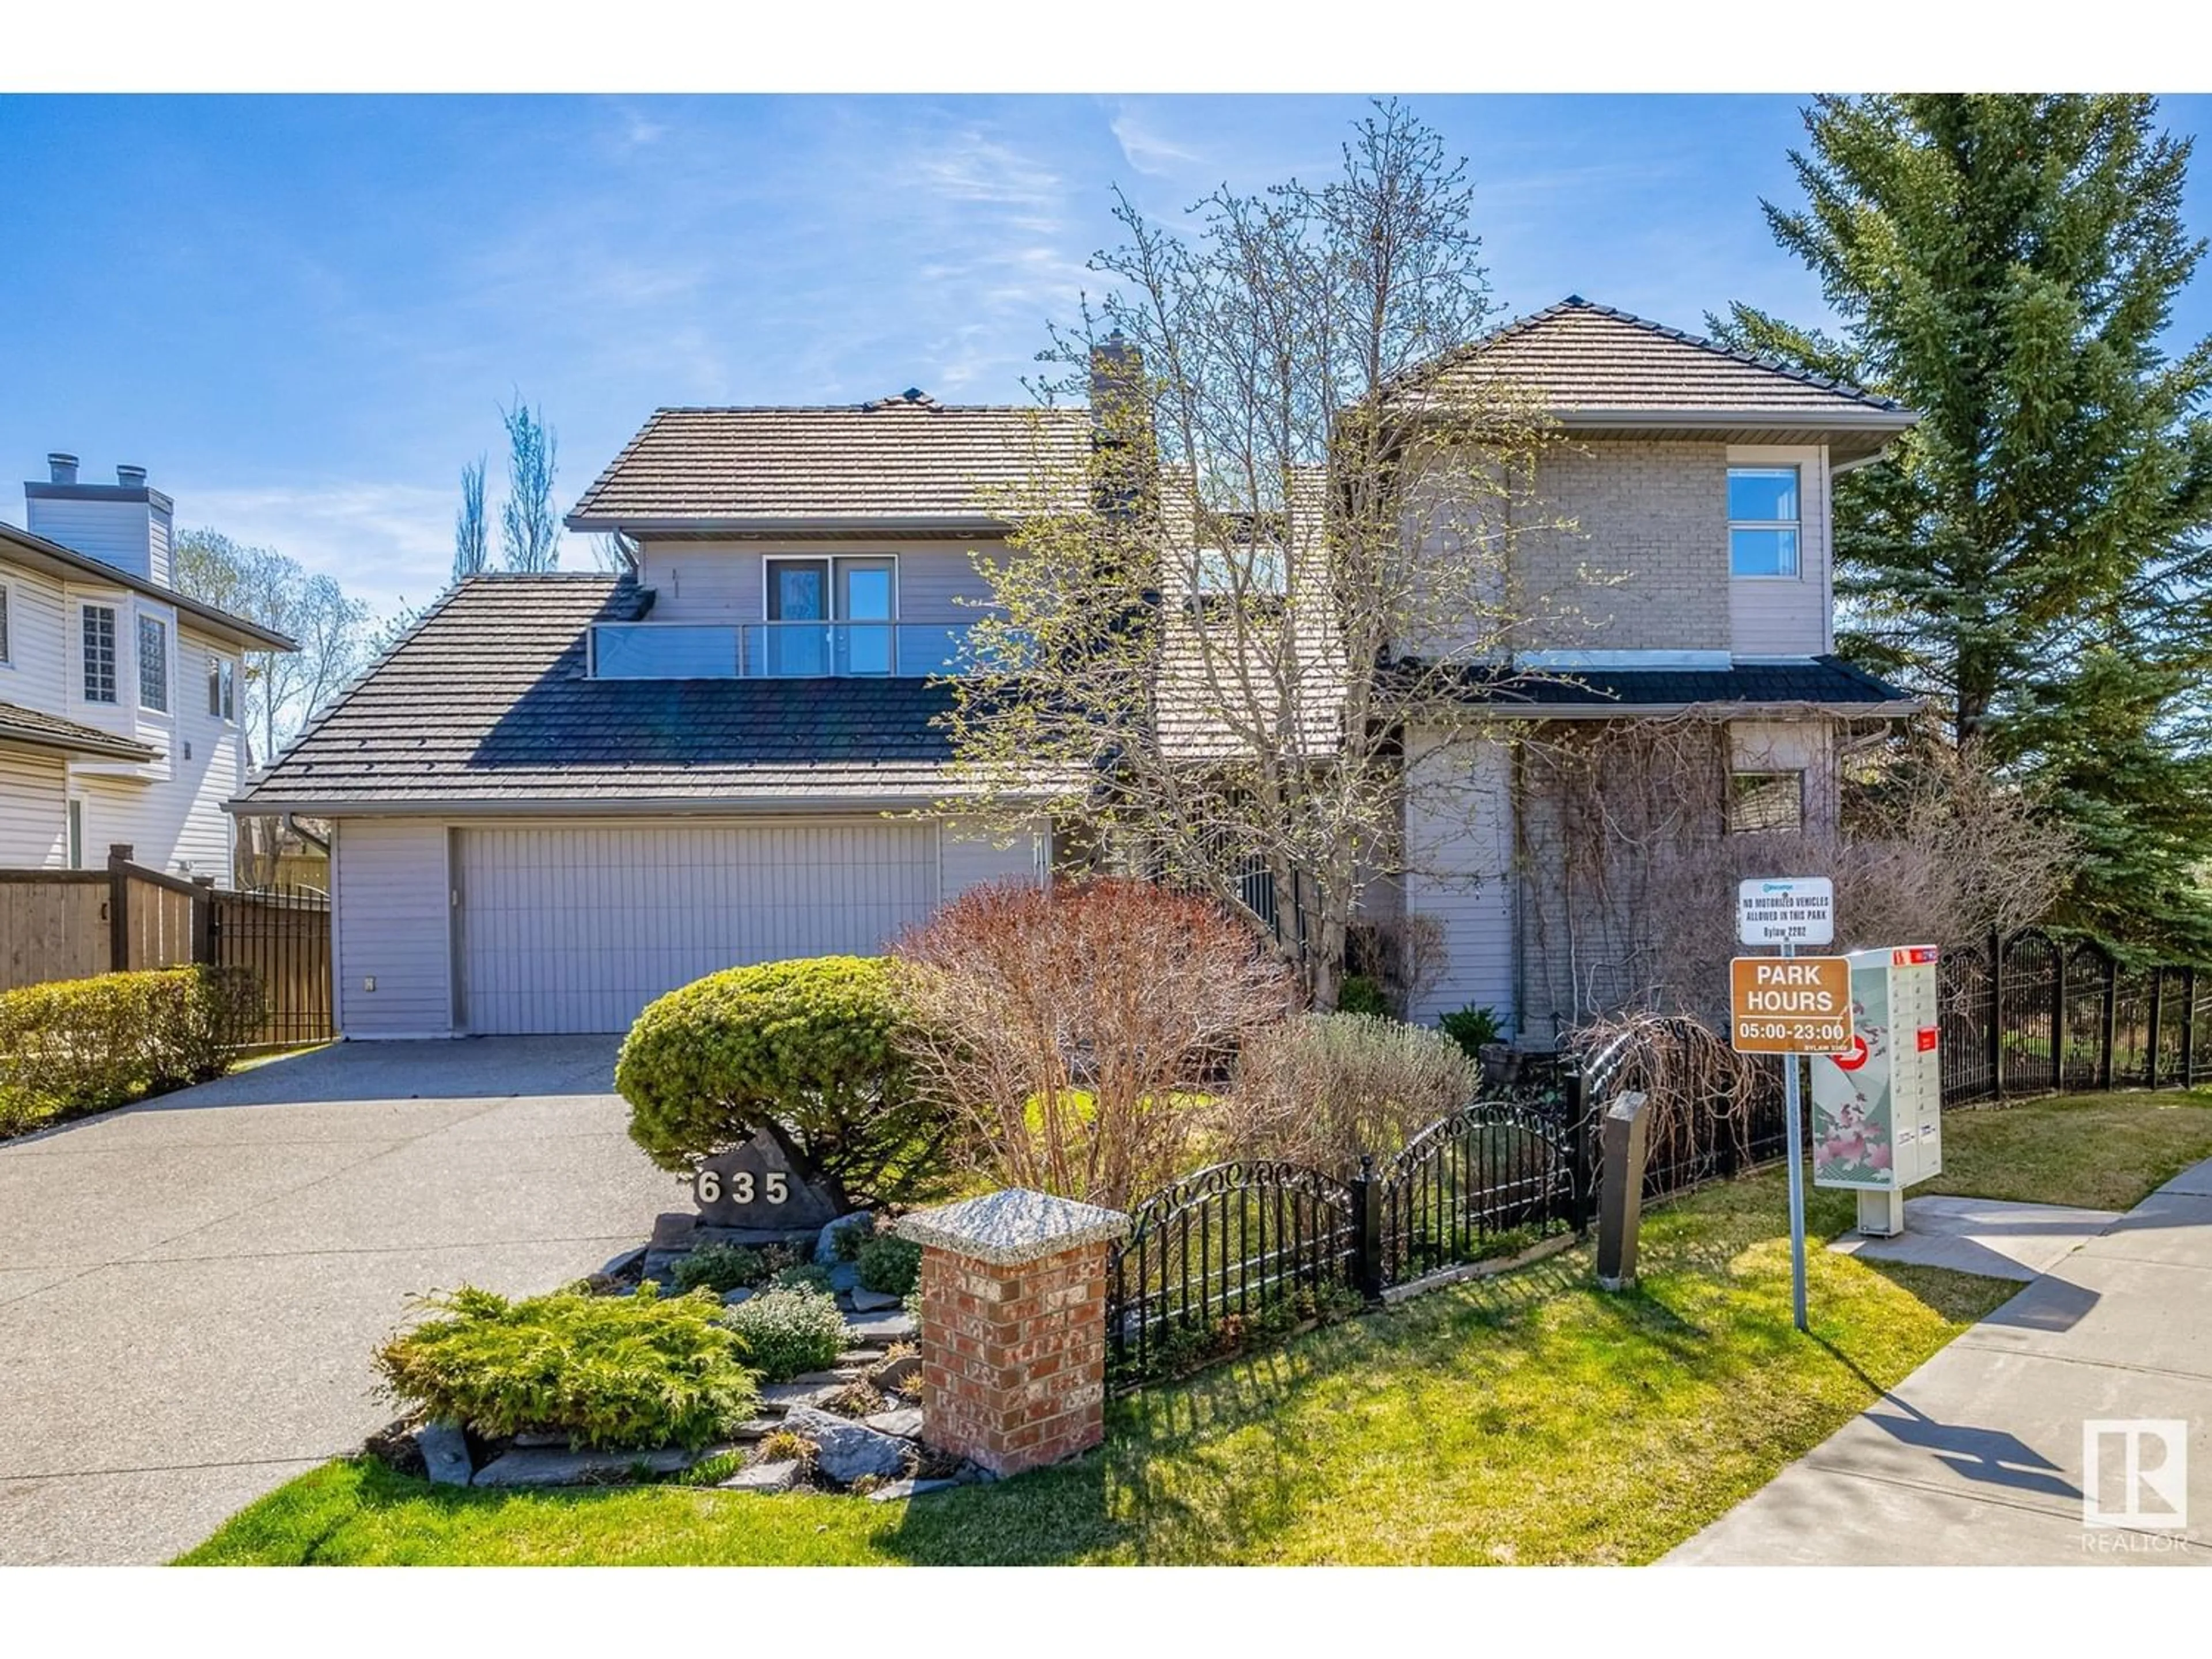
2037 1013
284 935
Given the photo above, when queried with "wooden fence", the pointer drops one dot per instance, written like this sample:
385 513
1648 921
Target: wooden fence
71 924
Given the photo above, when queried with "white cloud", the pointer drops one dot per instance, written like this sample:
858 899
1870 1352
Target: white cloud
1146 148
389 544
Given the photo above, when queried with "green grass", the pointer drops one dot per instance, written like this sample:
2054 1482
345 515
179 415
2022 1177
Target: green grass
2101 1151
1525 1419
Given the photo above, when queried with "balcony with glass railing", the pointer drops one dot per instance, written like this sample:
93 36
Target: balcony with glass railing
778 650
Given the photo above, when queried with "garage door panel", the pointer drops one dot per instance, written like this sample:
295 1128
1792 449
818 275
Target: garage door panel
577 928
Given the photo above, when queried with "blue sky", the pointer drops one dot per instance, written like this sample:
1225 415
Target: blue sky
302 314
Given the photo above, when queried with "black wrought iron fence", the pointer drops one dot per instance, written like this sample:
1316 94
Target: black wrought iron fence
1478 1184
284 935
2037 1012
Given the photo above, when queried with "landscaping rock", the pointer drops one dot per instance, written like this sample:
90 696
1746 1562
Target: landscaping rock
868 1301
845 1276
659 1264
905 1422
903 1374
536 1439
788 1396
880 1327
674 1229
764 1477
545 1467
628 1263
846 1450
825 1244
754 1428
842 1375
859 1356
898 1489
743 1293
445 1452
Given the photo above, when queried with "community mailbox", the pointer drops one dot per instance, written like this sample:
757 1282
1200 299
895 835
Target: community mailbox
1877 1102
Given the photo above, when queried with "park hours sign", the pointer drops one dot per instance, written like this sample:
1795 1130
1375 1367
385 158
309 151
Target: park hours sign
1786 910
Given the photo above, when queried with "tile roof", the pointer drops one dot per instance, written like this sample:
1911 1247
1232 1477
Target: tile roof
904 459
1588 358
487 702
41 730
1828 682
21 547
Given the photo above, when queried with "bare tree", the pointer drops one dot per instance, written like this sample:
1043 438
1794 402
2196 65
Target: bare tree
614 551
529 528
468 529
1289 546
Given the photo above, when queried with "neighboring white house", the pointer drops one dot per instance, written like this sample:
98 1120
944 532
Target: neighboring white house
563 795
119 697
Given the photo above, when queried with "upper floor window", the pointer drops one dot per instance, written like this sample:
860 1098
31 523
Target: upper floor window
1764 520
223 688
1761 801
99 653
813 607
1253 568
153 664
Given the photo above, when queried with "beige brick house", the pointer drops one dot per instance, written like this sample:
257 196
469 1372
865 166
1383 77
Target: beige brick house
563 795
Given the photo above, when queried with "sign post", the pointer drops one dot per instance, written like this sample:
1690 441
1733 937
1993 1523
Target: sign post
1794 1006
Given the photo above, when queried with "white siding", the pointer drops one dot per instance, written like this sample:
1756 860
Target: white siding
1774 617
119 533
390 909
969 856
712 581
38 660
33 825
1459 848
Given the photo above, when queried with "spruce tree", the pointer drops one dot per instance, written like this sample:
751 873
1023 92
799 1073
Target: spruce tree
2035 557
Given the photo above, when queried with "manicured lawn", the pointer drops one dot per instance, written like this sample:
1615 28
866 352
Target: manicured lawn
2102 1152
1526 1418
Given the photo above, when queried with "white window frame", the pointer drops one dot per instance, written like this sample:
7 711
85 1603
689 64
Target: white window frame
1795 525
73 831
141 616
223 688
116 612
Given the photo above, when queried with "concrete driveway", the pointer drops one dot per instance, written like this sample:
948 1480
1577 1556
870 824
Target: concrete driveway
189 1289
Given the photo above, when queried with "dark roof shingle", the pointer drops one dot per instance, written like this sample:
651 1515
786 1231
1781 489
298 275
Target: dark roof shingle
41 730
901 460
487 702
1827 682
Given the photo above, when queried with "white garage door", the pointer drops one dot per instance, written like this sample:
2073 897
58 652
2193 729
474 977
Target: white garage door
575 929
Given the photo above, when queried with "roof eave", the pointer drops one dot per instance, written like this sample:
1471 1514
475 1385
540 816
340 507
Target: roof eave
564 806
1895 709
1843 418
934 524
66 562
122 749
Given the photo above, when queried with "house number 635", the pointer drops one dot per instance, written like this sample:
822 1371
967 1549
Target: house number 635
775 1188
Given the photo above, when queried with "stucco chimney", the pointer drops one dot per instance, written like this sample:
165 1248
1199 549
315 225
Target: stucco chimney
62 466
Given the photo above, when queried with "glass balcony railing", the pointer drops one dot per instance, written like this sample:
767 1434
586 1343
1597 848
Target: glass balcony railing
779 650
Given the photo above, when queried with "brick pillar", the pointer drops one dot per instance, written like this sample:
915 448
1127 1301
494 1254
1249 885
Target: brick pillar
1013 1325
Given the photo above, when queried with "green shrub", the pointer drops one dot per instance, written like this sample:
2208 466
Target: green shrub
788 1331
1473 1028
890 1265
83 1045
807 1275
719 1267
814 1044
609 1372
1358 995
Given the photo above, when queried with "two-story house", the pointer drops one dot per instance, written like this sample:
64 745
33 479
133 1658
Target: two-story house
563 795
119 696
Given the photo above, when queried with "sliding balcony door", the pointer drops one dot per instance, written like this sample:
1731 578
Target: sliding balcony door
798 592
867 606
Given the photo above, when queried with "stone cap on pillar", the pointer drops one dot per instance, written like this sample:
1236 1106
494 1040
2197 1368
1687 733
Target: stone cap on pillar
1012 1226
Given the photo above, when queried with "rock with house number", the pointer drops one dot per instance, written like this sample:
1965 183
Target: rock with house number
762 1185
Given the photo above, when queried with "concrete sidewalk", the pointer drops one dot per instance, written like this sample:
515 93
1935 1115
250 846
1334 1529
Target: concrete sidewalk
1977 1457
190 1290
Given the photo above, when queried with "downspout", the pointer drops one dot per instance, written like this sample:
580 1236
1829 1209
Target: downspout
291 822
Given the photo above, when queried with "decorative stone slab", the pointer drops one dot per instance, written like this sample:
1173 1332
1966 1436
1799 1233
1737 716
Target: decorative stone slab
445 1452
898 1489
868 1301
787 1396
673 1230
753 1237
841 1374
905 1422
846 1450
754 1428
861 1356
764 1477
743 1293
762 1182
880 1327
545 1467
1012 1226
